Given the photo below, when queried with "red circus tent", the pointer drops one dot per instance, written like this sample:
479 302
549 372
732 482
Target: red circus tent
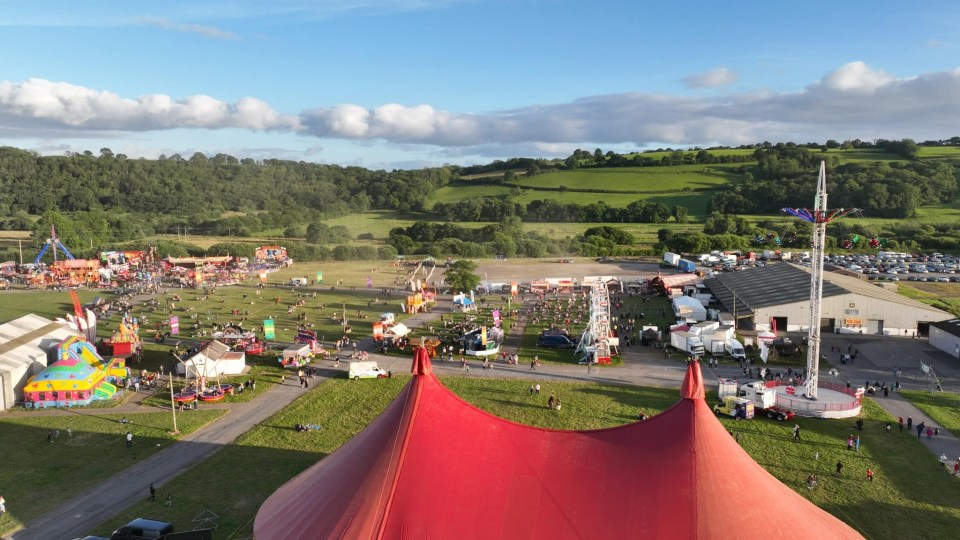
434 466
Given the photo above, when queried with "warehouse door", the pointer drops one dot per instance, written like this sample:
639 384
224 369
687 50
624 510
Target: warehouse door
826 325
780 325
874 326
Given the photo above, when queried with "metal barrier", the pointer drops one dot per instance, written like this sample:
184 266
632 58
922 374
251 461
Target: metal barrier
803 404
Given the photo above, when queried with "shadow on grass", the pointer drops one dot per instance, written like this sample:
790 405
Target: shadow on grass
48 474
876 519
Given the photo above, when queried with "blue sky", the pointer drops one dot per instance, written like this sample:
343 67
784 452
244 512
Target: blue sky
408 83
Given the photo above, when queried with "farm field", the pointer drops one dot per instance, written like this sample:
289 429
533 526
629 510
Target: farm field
641 180
904 495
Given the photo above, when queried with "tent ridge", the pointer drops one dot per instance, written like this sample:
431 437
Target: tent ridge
410 417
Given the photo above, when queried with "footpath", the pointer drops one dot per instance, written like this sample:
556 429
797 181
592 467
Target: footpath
640 367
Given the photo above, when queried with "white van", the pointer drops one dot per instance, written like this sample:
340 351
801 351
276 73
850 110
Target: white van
366 370
299 282
735 349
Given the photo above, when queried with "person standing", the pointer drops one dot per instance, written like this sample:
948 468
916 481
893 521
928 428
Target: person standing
839 468
796 432
856 443
153 493
850 442
3 505
900 420
550 402
129 440
869 474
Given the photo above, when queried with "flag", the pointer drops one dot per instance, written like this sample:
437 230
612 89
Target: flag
175 325
496 316
268 329
319 277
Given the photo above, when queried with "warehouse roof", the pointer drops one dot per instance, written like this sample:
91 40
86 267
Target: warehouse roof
786 283
951 326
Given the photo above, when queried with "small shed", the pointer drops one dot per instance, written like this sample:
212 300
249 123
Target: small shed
213 360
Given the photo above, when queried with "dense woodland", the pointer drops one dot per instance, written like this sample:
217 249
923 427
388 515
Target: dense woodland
106 199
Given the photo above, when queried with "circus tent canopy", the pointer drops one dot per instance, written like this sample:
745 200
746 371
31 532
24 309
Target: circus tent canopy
433 466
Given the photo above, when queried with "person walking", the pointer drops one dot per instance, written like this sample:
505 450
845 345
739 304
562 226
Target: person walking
129 440
796 432
850 442
869 474
909 422
153 493
920 430
856 443
839 468
900 420
169 501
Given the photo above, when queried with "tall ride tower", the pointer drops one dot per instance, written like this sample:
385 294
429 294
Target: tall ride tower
819 216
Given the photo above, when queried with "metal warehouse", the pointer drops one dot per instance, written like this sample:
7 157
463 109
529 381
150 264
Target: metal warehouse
779 294
945 335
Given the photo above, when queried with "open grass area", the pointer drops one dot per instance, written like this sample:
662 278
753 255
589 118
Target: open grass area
684 185
636 179
251 468
910 498
38 475
936 152
942 407
945 296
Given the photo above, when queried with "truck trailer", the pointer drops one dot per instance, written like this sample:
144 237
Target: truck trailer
687 342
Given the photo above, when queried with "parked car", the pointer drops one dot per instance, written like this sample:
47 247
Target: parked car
142 529
556 341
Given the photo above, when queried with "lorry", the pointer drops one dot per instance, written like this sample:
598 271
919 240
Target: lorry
671 259
687 342
764 401
737 407
366 370
687 266
735 349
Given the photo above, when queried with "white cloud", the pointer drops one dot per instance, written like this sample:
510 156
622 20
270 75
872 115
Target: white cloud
856 77
199 29
853 101
44 104
711 79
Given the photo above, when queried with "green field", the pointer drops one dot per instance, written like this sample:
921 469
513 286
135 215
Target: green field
942 407
910 498
39 475
685 185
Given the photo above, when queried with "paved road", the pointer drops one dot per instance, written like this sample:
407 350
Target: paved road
641 366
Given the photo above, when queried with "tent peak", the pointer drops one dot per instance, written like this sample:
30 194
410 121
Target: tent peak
421 362
692 387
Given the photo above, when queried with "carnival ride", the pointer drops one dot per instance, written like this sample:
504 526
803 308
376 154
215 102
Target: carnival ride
598 343
846 405
55 243
78 377
483 341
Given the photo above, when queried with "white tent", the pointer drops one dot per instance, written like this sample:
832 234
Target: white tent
214 360
686 307
27 346
398 330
